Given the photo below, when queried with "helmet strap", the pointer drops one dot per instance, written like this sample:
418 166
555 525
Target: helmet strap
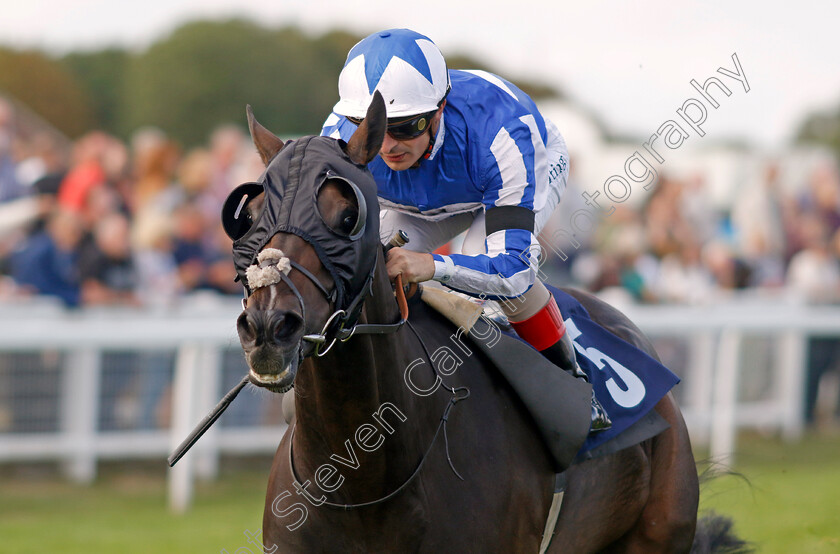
432 137
428 151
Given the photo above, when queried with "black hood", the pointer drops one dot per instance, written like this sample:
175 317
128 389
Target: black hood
290 206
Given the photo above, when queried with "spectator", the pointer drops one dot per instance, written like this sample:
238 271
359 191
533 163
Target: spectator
86 173
10 188
47 262
758 215
220 272
823 198
202 263
194 175
226 145
700 218
106 266
158 281
814 274
155 160
684 278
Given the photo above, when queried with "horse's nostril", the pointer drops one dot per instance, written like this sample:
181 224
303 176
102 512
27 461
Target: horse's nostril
267 327
286 326
246 328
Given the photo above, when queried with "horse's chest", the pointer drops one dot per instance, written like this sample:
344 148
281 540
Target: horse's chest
402 526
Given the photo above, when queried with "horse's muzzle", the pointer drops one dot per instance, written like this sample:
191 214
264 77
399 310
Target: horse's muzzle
271 341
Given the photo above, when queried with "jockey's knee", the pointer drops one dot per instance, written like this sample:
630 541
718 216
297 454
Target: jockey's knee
528 304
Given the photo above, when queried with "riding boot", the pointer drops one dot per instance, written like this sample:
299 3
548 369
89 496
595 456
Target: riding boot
546 332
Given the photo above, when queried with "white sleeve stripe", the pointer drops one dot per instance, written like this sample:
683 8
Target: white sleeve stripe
479 281
512 169
540 162
444 270
496 285
493 79
496 243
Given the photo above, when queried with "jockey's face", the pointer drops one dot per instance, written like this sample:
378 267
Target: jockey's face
403 154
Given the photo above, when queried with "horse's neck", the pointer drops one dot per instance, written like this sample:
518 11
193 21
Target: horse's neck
359 385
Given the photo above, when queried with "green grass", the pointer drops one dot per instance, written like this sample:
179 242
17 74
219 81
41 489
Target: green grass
788 501
125 512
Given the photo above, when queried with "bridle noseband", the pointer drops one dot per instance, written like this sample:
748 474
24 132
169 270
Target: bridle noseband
273 267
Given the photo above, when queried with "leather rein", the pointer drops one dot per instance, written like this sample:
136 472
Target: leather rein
342 333
457 394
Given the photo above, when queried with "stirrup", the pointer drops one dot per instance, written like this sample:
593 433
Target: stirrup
600 420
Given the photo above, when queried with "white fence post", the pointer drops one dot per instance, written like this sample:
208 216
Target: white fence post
791 382
209 378
184 417
80 411
701 370
724 401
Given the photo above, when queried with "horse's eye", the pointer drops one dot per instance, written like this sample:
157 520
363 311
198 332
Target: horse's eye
348 221
342 207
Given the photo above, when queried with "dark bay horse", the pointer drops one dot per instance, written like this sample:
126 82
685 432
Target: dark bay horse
388 455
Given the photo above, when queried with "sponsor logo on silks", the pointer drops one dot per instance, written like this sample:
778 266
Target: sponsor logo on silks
556 169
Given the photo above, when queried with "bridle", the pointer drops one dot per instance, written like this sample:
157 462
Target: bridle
336 328
343 323
457 394
444 419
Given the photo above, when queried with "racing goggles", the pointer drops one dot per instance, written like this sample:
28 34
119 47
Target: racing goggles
404 129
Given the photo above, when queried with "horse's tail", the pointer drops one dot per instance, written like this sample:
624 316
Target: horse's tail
715 535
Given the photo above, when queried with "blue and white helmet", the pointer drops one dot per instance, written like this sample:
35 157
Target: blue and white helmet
404 66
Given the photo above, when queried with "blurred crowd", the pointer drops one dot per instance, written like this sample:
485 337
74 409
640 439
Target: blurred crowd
110 223
102 222
677 246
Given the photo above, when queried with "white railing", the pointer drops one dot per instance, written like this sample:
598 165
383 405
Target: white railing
717 333
200 331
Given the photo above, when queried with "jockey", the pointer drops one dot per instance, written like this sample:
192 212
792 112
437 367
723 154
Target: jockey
464 151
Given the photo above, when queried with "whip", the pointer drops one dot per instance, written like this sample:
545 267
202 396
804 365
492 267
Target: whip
206 423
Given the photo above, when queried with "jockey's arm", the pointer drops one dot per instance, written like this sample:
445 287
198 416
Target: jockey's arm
507 267
506 270
415 267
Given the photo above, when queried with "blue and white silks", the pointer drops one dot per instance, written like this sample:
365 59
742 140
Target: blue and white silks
493 149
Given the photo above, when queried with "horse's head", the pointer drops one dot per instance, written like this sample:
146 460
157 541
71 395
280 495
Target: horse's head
306 237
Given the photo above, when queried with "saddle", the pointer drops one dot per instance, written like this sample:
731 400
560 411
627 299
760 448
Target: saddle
557 402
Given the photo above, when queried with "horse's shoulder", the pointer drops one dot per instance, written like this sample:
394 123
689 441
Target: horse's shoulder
613 320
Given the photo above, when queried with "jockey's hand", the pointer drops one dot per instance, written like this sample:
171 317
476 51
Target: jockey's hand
415 267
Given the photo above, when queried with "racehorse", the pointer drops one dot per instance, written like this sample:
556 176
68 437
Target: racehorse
387 453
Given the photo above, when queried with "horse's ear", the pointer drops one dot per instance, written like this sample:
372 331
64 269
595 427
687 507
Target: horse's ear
267 143
365 143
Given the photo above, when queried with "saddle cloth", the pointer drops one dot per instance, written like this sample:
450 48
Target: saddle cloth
627 381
